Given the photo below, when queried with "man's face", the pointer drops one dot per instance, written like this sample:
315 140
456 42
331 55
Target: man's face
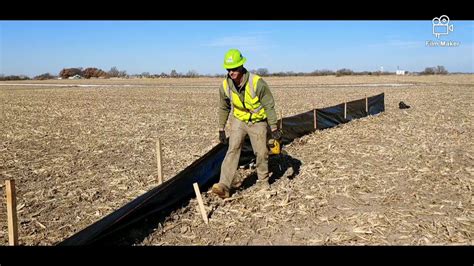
235 73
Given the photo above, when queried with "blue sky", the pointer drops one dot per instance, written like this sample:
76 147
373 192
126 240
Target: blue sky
35 47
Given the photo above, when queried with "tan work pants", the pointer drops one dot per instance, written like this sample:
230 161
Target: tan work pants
258 138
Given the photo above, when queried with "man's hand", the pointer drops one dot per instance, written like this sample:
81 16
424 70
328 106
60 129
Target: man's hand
276 134
222 137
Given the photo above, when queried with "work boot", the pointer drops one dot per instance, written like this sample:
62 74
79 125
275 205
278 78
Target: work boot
264 188
263 185
237 182
220 190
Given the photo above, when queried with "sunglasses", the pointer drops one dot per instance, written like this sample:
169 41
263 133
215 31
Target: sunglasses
233 69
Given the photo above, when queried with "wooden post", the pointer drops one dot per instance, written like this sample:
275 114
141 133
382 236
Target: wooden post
281 119
366 105
11 213
158 162
315 120
201 204
345 110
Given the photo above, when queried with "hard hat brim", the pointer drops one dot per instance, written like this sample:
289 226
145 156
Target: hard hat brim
234 65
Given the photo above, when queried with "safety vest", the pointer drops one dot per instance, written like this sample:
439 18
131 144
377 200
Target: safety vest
251 110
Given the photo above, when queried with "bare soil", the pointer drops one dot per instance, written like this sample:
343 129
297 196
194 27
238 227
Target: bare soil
402 177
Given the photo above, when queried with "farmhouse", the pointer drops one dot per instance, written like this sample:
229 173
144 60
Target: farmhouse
401 72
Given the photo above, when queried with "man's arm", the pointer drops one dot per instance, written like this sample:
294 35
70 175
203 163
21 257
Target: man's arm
266 99
224 108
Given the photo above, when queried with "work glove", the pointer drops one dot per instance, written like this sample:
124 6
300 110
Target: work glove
222 137
276 134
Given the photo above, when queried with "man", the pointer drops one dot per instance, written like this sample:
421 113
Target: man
251 103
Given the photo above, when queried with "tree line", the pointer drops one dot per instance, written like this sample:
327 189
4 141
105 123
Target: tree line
114 72
91 72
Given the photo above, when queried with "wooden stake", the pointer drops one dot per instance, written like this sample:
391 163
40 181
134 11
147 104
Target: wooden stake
366 105
158 162
281 119
201 204
345 110
11 213
315 120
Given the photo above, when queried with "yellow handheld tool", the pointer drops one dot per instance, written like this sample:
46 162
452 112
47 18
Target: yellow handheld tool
274 146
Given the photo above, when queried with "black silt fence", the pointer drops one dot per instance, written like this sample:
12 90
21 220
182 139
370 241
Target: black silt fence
137 219
330 116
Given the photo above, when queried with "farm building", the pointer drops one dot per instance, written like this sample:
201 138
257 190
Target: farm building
77 76
401 72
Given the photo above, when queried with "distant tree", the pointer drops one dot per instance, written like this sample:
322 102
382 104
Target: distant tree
428 71
14 77
93 72
44 76
145 74
344 72
192 74
88 72
262 72
278 74
440 70
69 72
173 73
324 72
113 72
122 74
102 74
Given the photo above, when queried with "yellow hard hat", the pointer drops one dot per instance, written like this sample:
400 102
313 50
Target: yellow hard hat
233 58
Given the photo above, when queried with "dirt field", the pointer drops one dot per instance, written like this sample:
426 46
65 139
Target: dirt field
402 177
